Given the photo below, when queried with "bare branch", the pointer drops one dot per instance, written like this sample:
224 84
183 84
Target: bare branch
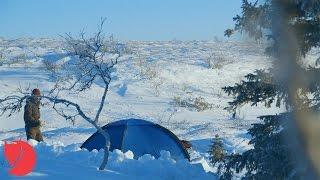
11 104
103 99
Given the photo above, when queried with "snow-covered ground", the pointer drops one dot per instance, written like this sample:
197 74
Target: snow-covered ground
144 85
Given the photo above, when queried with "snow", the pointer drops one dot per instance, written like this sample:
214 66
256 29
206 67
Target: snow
62 162
143 86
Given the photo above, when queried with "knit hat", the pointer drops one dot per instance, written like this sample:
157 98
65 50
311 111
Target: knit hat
36 92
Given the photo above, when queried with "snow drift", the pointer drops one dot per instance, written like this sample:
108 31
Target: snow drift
59 162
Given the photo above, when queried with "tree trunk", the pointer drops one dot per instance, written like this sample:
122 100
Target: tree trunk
106 155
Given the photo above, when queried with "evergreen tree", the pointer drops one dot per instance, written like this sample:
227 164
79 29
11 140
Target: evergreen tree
277 21
271 154
217 152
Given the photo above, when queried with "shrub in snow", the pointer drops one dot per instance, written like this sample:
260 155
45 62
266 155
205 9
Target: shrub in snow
146 69
50 66
197 103
20 59
216 151
1 58
124 48
156 84
150 71
217 60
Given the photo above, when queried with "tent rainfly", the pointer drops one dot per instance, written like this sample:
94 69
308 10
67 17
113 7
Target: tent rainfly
139 136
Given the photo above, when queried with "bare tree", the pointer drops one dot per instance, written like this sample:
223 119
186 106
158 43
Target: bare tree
94 60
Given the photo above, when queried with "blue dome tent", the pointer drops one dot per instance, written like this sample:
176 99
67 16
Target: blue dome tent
139 136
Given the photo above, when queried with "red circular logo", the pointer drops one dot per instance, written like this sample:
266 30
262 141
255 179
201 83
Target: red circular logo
21 157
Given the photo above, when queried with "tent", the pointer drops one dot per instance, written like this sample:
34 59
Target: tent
139 136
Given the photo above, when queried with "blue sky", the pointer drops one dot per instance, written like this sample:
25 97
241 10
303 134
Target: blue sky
126 19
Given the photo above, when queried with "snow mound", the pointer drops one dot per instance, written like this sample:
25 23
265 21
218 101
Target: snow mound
61 162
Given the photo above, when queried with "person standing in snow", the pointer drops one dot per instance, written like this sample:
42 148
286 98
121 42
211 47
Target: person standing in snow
32 116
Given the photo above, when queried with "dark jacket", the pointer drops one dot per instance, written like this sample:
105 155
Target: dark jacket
32 112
